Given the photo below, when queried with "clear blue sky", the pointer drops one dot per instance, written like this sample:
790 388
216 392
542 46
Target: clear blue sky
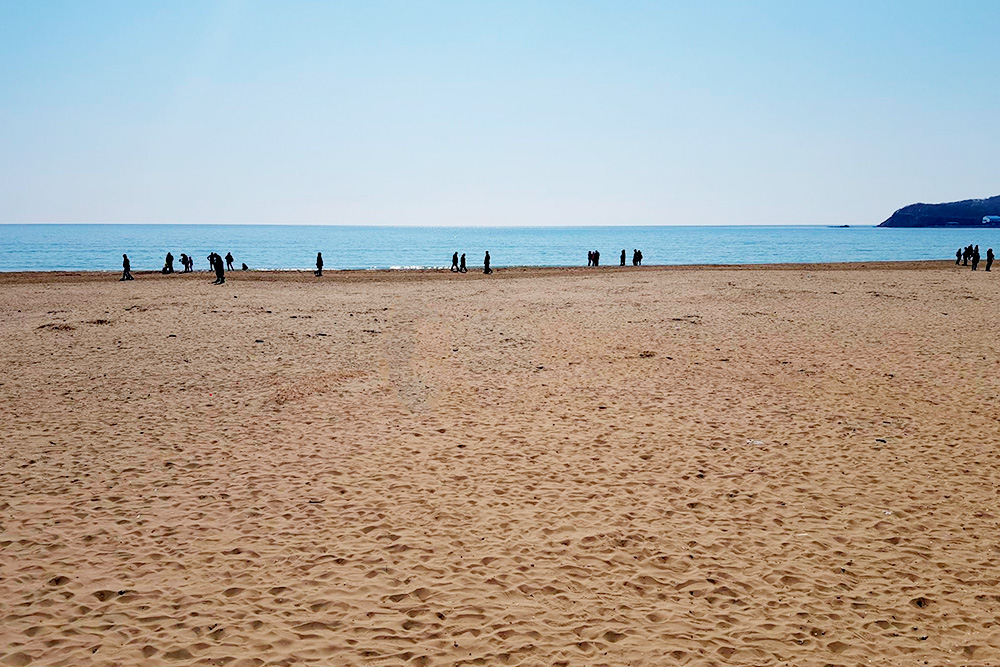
495 113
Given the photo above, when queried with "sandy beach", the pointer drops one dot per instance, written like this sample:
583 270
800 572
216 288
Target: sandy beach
789 465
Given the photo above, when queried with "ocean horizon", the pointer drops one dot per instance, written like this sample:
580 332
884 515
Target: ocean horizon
98 247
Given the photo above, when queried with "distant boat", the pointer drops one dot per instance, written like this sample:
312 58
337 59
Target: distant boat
839 226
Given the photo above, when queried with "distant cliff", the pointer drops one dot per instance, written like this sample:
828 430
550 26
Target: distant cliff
969 212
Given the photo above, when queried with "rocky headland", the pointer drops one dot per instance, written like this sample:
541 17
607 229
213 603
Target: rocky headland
966 213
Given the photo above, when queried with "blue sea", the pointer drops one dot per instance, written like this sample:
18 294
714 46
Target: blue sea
86 247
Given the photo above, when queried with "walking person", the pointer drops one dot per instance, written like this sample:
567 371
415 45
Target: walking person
486 263
454 263
461 264
126 269
319 264
590 258
229 261
623 258
958 256
989 258
597 258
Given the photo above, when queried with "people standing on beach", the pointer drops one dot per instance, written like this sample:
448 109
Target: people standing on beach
461 264
184 263
639 255
989 258
966 254
168 264
229 261
319 264
590 258
623 258
975 258
597 258
486 263
958 256
454 263
635 257
126 268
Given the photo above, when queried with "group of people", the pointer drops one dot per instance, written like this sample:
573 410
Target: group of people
215 262
594 258
458 263
970 253
186 261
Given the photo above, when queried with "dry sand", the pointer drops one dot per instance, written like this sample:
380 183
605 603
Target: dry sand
791 466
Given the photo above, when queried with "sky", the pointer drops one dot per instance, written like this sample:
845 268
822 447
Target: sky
495 113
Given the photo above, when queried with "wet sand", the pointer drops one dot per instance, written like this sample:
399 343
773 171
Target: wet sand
787 465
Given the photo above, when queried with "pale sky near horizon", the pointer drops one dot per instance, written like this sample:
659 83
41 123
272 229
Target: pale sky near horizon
494 113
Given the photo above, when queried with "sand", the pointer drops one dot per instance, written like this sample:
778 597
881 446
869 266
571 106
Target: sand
757 466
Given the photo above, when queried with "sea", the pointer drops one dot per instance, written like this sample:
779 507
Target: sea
90 247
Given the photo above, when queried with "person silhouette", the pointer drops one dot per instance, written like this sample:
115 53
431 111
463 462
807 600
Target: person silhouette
989 258
590 258
597 258
635 257
168 265
958 256
461 264
639 255
319 264
229 261
454 263
126 269
220 269
975 258
486 263
623 257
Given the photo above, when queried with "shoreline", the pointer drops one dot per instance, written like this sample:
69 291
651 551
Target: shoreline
502 272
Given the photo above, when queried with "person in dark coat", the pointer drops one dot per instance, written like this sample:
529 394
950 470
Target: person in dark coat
168 265
486 263
958 256
126 268
597 258
220 269
639 255
623 257
319 264
461 264
989 258
454 263
975 258
590 258
229 261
